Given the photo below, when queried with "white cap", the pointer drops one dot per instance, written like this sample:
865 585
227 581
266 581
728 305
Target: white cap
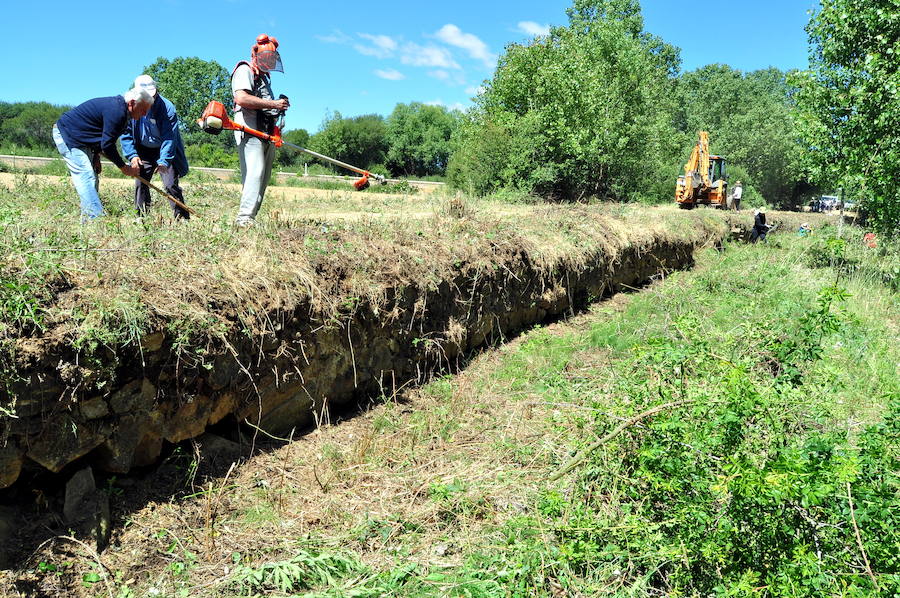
146 82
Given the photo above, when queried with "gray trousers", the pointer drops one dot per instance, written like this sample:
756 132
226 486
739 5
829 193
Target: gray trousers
257 157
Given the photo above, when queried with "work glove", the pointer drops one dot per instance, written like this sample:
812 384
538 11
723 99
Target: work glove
95 162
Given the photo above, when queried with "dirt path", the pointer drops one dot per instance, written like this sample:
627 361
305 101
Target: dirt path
285 202
284 192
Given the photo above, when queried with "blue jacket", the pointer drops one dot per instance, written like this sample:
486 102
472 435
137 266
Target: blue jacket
96 125
159 129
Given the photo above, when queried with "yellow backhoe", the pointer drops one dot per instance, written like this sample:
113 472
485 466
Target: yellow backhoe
704 178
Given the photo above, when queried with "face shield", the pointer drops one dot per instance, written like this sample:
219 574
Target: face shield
269 60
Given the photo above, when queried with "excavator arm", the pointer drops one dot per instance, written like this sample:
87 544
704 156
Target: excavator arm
696 171
696 183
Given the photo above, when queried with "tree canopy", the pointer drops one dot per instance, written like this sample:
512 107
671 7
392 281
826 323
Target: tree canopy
849 104
581 112
28 125
288 157
750 118
419 138
190 83
360 141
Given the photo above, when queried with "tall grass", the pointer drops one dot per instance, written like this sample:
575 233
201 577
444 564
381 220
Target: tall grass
783 411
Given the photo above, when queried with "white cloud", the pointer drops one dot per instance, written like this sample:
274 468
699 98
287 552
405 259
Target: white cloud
453 106
448 77
532 28
433 56
390 74
382 46
336 37
453 35
475 90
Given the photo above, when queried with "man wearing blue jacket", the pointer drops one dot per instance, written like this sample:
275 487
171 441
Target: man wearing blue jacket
91 128
153 143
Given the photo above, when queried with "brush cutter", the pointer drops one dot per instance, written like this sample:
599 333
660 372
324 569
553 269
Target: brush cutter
214 119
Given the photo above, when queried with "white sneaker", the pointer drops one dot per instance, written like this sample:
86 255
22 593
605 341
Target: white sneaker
244 223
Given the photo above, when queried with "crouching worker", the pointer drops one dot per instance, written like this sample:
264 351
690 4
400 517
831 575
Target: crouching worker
153 144
92 128
760 228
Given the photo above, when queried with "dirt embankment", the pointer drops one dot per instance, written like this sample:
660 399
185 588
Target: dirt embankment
116 407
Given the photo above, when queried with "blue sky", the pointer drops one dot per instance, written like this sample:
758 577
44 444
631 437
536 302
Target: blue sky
353 57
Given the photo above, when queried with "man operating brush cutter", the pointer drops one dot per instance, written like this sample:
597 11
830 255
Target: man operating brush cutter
256 108
215 119
258 118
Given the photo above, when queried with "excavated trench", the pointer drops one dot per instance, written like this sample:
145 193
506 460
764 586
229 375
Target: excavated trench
159 394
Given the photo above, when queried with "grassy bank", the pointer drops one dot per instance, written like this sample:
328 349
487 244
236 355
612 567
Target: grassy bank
111 281
773 369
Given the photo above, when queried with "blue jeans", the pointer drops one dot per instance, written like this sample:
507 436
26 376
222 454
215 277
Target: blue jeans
81 167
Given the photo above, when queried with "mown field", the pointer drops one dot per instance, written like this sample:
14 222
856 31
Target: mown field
733 430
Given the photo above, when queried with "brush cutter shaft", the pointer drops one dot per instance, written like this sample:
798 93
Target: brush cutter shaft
333 161
215 118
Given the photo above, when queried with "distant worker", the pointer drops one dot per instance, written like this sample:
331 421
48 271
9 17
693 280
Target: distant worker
760 228
804 230
256 108
92 128
737 193
153 144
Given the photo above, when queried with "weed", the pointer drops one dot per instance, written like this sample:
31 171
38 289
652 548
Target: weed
304 571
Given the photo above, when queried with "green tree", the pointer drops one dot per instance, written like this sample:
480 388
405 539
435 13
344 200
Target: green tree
190 84
419 137
582 112
360 141
28 125
850 104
